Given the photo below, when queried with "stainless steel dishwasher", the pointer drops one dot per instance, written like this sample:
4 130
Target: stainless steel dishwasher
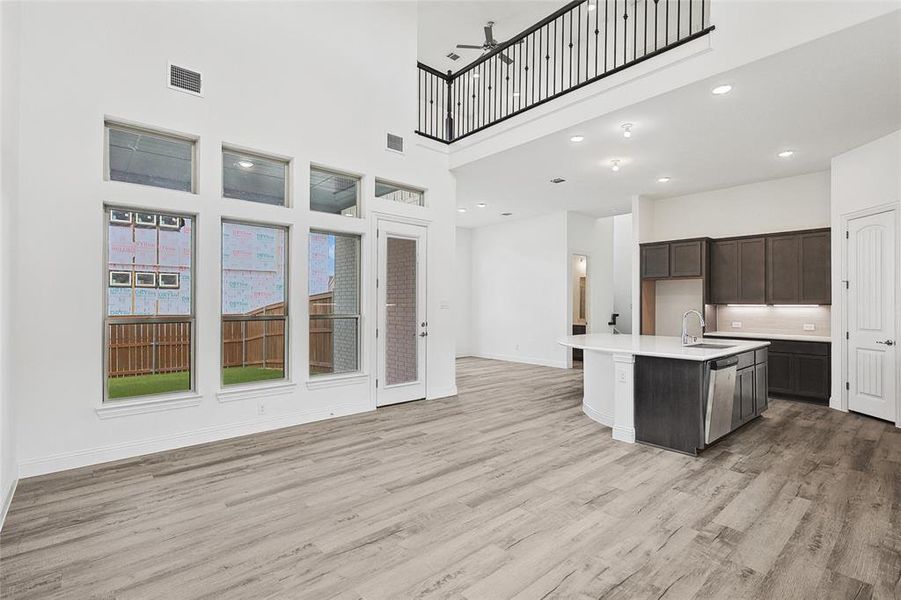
720 396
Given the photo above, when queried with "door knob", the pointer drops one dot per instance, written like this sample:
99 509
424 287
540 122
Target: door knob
424 334
887 342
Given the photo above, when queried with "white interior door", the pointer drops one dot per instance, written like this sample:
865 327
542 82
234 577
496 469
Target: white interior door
872 343
402 332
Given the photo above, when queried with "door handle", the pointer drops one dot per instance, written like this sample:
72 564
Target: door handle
424 334
887 342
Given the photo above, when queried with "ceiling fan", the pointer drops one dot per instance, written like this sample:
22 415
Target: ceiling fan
489 44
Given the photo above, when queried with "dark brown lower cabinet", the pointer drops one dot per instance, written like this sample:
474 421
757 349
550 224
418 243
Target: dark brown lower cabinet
799 370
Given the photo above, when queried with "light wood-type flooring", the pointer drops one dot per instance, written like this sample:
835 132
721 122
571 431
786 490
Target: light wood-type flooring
506 491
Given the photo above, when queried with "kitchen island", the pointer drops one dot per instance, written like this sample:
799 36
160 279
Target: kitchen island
655 390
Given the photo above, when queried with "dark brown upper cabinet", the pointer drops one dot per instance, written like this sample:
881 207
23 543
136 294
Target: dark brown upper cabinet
799 267
655 261
687 258
783 266
738 271
816 267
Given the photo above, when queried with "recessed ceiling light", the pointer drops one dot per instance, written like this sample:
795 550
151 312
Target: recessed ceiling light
663 180
614 164
482 205
786 154
557 180
506 214
722 89
245 164
461 210
577 138
627 130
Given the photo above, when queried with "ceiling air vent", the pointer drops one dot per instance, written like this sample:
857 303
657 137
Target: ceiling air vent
453 56
557 180
184 80
395 143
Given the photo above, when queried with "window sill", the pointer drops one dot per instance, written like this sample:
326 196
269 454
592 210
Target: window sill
122 408
329 381
249 392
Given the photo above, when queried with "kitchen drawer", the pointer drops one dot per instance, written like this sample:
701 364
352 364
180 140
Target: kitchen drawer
746 359
791 347
760 356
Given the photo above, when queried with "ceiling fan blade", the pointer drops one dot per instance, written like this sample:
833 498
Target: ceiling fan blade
507 60
469 46
489 35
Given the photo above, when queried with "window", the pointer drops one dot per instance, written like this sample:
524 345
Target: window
149 320
333 192
254 302
149 158
253 177
397 193
334 297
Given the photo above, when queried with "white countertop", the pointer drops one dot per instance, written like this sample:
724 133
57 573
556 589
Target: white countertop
769 336
656 345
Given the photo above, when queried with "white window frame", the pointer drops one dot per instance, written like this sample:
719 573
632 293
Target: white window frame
357 316
144 130
148 399
223 318
286 160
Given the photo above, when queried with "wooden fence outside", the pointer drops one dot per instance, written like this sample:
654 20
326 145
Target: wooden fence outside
148 348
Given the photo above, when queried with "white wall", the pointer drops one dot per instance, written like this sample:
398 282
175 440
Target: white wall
866 177
622 271
790 203
520 290
275 80
463 292
9 141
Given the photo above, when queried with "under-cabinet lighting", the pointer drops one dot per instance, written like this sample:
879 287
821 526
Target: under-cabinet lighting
796 305
747 305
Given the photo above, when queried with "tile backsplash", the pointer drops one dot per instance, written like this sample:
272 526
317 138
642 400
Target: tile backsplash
774 319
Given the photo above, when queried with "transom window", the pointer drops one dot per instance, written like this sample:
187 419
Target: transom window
398 193
253 177
334 192
149 158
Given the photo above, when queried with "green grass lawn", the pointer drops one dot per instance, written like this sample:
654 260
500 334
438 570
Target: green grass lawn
164 383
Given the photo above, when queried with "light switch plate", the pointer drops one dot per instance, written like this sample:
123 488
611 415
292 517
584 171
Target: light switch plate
809 327
736 324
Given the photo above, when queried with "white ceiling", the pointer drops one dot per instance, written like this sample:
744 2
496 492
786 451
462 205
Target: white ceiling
820 100
444 24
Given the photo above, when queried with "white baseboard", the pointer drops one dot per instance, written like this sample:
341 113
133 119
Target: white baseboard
528 360
102 454
624 434
595 415
7 500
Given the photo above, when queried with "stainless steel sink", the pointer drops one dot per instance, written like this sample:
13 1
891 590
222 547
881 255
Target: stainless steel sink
712 346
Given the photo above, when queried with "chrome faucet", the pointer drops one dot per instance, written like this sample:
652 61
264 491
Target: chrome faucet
690 339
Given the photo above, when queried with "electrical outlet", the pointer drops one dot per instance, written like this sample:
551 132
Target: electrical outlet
809 327
621 376
262 408
736 324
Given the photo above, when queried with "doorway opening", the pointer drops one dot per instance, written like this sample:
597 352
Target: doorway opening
580 305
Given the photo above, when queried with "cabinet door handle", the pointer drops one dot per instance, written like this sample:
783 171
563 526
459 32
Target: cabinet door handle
887 342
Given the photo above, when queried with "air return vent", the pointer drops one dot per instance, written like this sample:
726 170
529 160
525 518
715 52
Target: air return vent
185 80
395 143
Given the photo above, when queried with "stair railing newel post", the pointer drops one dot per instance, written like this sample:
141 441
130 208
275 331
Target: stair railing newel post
449 126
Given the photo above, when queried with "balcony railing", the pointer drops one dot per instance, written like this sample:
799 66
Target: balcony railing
581 43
